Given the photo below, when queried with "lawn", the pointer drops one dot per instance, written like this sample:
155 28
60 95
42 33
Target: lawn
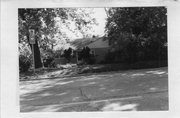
76 70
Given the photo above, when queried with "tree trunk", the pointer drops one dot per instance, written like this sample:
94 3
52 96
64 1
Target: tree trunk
37 56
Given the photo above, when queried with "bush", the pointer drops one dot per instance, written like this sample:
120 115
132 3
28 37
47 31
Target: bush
24 63
149 64
58 53
122 66
90 60
68 54
49 61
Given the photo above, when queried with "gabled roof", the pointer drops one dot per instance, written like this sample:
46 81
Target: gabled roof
82 42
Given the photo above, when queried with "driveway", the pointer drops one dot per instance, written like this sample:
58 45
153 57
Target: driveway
132 90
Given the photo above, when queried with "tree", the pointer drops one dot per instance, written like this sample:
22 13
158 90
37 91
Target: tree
137 33
68 54
51 26
85 54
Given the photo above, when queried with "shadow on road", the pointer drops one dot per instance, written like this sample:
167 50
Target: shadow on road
94 92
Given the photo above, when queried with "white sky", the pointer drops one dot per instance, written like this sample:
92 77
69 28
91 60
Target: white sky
100 15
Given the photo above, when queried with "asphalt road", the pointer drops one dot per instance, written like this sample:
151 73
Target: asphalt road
133 90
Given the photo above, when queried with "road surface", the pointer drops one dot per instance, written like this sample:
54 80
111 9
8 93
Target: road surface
132 90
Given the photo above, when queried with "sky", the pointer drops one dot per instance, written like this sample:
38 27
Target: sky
100 15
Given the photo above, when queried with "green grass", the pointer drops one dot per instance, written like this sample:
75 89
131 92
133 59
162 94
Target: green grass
117 67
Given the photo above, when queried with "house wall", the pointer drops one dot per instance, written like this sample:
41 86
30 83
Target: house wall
60 61
101 48
100 54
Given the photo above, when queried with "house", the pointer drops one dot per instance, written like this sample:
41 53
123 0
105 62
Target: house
99 46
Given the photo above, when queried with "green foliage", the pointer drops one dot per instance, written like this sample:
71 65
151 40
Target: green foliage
68 54
122 66
52 26
137 33
86 56
24 63
48 57
137 20
48 61
58 53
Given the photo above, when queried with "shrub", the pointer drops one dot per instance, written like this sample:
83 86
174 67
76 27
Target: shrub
68 54
24 63
149 64
91 60
122 66
49 61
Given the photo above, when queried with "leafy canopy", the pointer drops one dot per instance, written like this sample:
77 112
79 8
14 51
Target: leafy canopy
137 32
55 25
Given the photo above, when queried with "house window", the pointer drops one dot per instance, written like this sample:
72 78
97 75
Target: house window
93 52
